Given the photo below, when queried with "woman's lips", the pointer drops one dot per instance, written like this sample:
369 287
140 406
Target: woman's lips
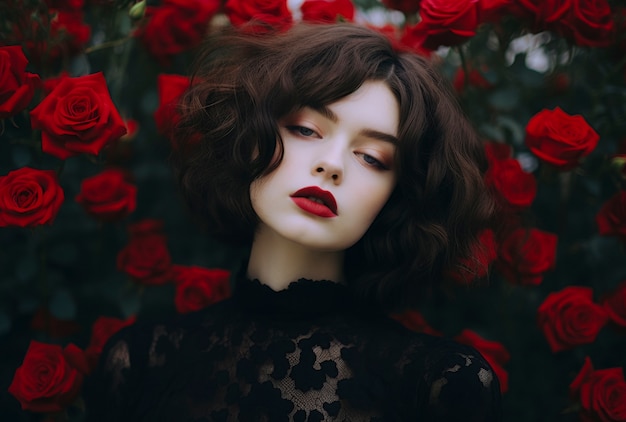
316 201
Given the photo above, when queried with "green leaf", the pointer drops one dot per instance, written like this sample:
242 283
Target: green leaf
62 305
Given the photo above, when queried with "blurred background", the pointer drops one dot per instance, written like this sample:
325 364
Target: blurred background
522 69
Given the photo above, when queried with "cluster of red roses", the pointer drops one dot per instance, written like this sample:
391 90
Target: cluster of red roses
51 376
76 116
586 23
146 260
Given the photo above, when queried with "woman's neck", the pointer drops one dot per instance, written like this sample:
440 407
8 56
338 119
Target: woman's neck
276 261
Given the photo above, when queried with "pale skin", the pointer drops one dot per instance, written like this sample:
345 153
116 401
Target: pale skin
346 150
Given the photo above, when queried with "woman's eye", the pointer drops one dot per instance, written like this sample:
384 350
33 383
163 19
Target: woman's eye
302 131
369 160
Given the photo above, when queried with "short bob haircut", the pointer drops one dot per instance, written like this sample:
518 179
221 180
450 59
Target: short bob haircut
228 136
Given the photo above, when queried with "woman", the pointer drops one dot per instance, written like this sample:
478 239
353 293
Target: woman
351 174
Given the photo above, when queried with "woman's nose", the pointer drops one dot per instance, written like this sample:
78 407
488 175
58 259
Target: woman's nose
329 166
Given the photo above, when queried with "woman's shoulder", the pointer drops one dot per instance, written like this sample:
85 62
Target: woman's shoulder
450 381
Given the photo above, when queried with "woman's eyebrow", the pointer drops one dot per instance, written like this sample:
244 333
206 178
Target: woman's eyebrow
381 136
370 133
326 112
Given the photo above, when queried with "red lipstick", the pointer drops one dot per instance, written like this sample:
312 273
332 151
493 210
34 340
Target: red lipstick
316 201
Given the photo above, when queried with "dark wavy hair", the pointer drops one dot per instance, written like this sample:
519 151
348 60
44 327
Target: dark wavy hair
228 136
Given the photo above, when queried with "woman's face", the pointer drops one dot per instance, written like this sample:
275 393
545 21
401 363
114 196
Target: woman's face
337 170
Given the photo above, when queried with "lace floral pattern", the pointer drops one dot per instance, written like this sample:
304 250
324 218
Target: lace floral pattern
302 354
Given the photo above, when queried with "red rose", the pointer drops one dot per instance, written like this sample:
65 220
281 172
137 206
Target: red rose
409 39
77 117
146 258
146 227
68 34
65 4
414 321
611 218
515 187
29 197
475 78
446 22
526 254
588 23
46 381
264 14
497 151
560 139
601 393
543 15
530 7
74 34
495 10
50 83
406 6
583 374
44 321
169 88
17 86
101 330
107 196
477 265
175 26
494 353
569 317
327 11
198 287
615 305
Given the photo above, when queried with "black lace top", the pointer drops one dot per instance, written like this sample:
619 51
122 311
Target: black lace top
307 353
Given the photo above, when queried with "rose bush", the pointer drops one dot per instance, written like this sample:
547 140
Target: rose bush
263 14
406 6
29 197
611 219
66 33
508 60
588 23
47 381
525 255
107 196
515 187
474 78
615 305
198 287
45 322
601 393
146 258
18 86
560 139
170 88
327 11
570 317
446 22
175 26
77 117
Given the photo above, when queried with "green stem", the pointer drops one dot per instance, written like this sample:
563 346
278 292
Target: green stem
108 44
464 66
44 288
61 168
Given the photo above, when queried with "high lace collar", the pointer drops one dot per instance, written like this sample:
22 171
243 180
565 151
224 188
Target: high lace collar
301 299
